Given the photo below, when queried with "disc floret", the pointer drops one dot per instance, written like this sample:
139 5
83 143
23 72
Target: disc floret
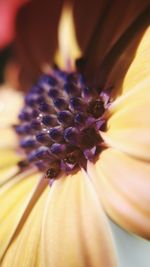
59 125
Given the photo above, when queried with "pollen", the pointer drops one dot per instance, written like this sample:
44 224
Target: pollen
60 122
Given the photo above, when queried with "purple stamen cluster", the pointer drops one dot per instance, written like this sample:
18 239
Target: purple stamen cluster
60 122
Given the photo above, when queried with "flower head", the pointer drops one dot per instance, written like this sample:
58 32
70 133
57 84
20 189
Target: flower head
88 132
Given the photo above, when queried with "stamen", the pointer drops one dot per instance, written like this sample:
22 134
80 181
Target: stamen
71 135
56 134
60 103
77 104
43 138
60 122
53 171
65 117
49 120
96 108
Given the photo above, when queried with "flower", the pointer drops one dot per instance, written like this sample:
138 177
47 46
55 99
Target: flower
65 224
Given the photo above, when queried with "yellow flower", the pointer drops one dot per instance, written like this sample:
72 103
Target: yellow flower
65 224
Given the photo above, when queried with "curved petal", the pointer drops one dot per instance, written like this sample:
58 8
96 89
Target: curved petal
8 11
10 103
75 230
105 21
123 185
8 157
24 249
133 65
139 70
15 197
7 174
134 142
8 138
36 40
129 122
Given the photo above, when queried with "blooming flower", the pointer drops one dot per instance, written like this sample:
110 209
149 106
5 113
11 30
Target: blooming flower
64 224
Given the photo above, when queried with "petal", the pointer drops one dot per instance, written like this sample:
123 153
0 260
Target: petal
8 165
75 229
106 22
8 157
8 138
133 142
123 185
24 249
7 174
133 65
139 70
8 11
11 102
129 122
68 50
14 200
36 40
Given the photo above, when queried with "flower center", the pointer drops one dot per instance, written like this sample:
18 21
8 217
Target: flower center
60 124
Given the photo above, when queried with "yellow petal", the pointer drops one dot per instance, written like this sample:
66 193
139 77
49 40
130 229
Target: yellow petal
140 67
134 142
8 138
8 164
75 230
133 66
129 122
136 94
123 185
7 174
10 103
8 157
69 50
24 249
14 199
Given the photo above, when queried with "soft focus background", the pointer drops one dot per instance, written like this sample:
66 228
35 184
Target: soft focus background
132 251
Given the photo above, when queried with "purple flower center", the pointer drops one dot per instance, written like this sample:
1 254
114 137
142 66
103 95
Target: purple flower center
60 124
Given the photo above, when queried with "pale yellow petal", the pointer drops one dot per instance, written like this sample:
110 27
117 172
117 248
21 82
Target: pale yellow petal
128 126
7 173
8 157
133 66
75 229
8 164
14 199
8 138
123 186
68 50
10 103
140 68
24 250
138 93
135 142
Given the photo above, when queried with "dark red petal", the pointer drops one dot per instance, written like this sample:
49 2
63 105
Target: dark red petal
100 24
36 39
8 11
